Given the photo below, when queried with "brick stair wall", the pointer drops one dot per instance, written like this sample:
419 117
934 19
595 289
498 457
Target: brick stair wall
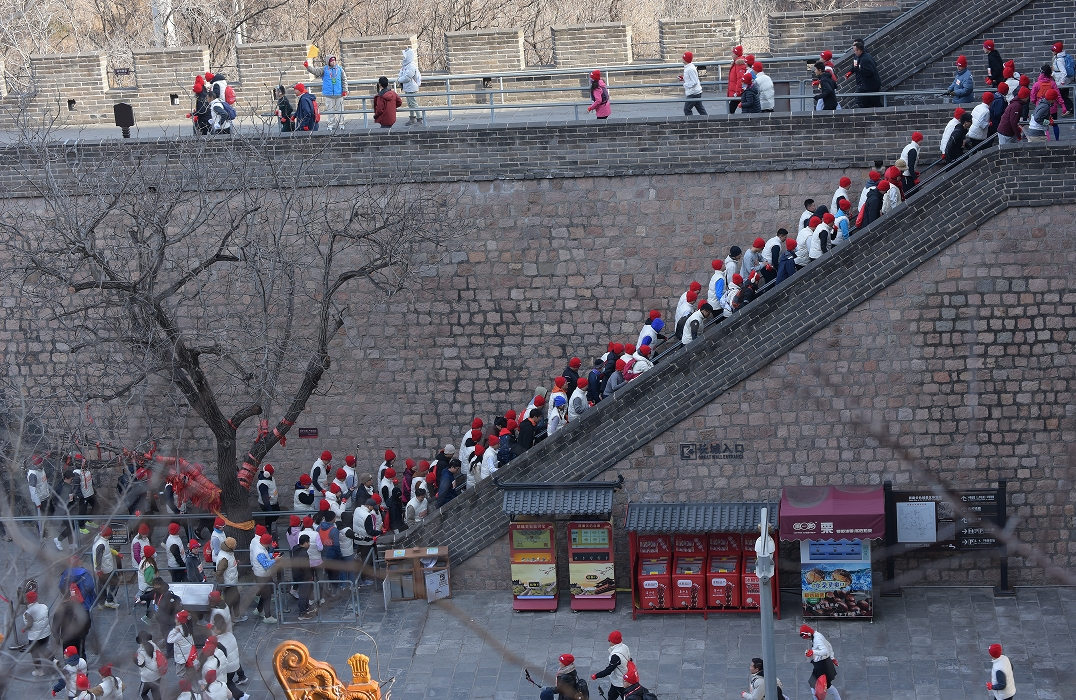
948 207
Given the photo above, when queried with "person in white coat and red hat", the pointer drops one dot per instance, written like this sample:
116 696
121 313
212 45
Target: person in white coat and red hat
619 656
820 655
1001 685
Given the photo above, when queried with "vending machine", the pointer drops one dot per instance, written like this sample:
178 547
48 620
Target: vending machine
836 578
590 565
534 566
751 592
655 567
689 579
723 572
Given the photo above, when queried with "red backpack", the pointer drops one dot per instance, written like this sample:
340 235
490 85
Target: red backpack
207 552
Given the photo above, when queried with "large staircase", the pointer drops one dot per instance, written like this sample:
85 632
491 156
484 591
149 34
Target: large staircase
952 204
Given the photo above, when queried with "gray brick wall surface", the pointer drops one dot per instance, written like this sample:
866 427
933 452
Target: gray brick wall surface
591 45
708 39
735 350
809 33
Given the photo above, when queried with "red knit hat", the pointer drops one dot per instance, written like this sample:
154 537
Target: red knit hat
737 51
193 544
962 61
692 296
737 278
341 474
510 414
82 682
1051 95
1008 71
874 175
883 186
305 479
559 382
988 97
595 75
644 350
512 425
892 172
376 499
758 243
31 597
958 113
918 136
475 435
1025 80
845 182
1003 88
620 364
582 383
149 550
618 348
1058 47
260 530
539 401
814 221
323 506
844 204
349 460
757 67
308 521
294 521
476 423
749 59
423 465
988 44
575 363
747 79
1024 94
173 529
299 87
334 488
694 286
688 57
143 529
790 244
717 264
505 431
995 650
389 455
326 456
827 218
615 637
480 450
806 630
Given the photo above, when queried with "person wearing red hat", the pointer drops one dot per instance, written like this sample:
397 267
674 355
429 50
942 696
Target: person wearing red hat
1041 118
893 196
633 689
692 86
753 258
35 625
616 379
104 557
578 403
313 553
148 671
867 77
731 290
195 558
175 550
305 496
696 322
1044 84
715 288
735 78
392 497
980 121
910 156
619 656
306 110
1001 685
1064 73
820 654
995 65
842 226
111 687
181 640
319 471
786 265
957 141
684 306
765 87
569 684
842 191
962 89
599 93
950 126
570 374
139 542
872 206
749 99
825 88
268 494
342 493
390 459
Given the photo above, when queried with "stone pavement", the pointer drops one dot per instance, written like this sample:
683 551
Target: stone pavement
929 644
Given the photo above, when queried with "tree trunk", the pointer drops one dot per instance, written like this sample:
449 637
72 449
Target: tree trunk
235 500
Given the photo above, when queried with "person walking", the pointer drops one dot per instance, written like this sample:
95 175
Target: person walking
262 561
995 65
104 563
619 656
306 110
410 79
1001 685
386 104
756 684
569 686
302 574
956 146
148 671
285 112
35 624
1064 69
599 94
736 72
765 87
786 266
40 491
693 86
1039 125
181 639
820 654
826 97
749 99
962 89
333 90
867 77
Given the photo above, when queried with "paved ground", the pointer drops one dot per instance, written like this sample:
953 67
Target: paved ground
928 645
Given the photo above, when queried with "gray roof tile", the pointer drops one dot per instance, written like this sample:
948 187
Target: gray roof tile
558 501
698 517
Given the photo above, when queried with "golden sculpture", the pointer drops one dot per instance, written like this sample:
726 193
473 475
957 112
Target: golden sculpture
303 678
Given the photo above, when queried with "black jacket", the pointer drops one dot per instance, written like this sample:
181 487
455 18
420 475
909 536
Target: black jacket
287 114
573 378
525 439
749 100
955 148
300 564
827 91
995 67
867 78
872 209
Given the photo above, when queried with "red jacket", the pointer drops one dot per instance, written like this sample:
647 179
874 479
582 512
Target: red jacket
736 73
385 105
1010 120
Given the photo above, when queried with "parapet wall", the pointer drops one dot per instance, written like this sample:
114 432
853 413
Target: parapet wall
163 77
810 32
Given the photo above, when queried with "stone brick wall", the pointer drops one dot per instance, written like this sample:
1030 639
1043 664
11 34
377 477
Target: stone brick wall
709 38
495 50
591 45
367 58
264 66
808 33
966 368
161 73
61 78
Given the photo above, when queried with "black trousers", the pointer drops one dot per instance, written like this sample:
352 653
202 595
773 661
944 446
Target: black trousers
694 102
825 668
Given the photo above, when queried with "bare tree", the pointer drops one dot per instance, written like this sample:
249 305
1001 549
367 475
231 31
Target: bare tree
207 265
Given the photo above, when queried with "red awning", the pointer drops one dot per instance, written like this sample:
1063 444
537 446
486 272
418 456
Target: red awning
832 513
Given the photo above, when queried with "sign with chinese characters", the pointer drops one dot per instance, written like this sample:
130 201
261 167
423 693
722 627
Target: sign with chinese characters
308 432
926 520
705 451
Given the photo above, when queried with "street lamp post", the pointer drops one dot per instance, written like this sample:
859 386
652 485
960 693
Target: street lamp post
764 550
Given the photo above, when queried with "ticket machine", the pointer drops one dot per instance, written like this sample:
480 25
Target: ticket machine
723 571
534 566
752 588
689 578
655 566
590 565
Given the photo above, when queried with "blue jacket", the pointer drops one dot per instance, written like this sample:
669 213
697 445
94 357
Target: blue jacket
332 81
445 491
304 113
963 87
786 267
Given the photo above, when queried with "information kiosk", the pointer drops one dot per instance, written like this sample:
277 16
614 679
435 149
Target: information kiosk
534 565
689 580
655 565
590 565
723 572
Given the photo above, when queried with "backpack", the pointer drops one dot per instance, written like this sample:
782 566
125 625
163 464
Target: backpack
504 451
649 696
859 217
207 552
628 374
162 663
229 110
582 692
317 110
1070 66
605 95
326 538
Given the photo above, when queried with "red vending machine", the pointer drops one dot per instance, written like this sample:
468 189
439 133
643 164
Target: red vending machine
688 579
590 565
752 590
534 566
655 565
723 572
